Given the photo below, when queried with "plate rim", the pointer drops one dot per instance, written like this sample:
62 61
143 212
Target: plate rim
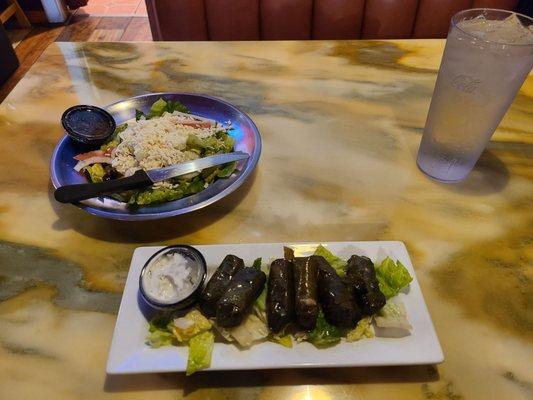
113 367
123 216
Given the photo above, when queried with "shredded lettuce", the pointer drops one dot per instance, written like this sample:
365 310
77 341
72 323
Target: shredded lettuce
392 277
337 263
191 324
324 334
96 172
363 329
393 315
200 350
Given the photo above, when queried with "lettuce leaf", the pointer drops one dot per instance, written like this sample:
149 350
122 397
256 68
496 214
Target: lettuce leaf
159 333
96 172
139 115
177 106
284 340
157 195
363 329
259 307
186 187
200 350
118 130
393 315
194 186
257 263
392 277
209 174
337 263
324 334
260 302
114 140
226 170
288 253
251 330
210 145
161 106
158 108
159 338
191 324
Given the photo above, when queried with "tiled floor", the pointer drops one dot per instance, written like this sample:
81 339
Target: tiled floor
114 8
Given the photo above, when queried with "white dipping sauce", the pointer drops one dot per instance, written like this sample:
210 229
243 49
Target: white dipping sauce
170 278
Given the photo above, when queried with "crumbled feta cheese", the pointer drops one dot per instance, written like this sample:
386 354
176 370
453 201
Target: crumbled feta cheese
156 143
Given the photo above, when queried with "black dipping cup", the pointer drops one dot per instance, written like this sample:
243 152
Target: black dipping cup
190 253
88 125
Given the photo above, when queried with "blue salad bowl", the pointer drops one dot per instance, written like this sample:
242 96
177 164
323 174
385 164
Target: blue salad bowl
245 133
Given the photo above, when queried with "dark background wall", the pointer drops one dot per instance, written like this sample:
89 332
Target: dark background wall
526 7
9 61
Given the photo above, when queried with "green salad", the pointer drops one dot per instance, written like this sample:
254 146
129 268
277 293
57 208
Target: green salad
168 134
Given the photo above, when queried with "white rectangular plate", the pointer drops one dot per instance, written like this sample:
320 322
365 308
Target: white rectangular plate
129 354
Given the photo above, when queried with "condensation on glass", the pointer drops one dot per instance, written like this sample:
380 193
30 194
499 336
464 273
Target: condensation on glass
487 57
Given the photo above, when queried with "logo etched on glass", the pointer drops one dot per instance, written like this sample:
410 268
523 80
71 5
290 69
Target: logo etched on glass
465 83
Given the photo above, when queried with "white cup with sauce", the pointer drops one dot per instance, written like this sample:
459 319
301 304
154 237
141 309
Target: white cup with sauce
173 278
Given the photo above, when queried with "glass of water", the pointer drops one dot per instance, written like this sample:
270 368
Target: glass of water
487 57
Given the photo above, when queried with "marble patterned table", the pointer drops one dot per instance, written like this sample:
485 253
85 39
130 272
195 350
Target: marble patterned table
341 123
